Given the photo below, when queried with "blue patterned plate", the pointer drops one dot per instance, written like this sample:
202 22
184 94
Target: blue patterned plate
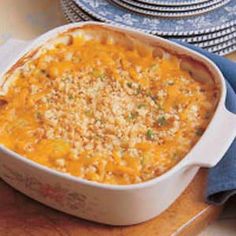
219 41
222 51
208 37
173 2
227 50
69 7
170 14
220 47
68 17
171 8
215 20
214 41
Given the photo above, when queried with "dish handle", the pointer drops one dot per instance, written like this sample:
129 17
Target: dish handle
215 141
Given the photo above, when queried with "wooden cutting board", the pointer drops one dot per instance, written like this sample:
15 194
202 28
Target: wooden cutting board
20 216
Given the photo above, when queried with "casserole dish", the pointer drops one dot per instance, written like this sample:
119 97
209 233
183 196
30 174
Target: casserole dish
112 204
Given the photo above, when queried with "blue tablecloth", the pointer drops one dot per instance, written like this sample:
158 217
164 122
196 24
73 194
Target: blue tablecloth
221 182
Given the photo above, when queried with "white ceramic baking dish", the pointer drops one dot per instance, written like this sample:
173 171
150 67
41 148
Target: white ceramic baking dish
113 204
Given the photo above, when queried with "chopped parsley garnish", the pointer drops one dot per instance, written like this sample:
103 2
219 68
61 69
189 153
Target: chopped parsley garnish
142 161
161 121
38 115
88 113
96 73
129 84
133 115
158 106
141 105
154 99
139 90
150 134
66 79
70 96
102 77
152 67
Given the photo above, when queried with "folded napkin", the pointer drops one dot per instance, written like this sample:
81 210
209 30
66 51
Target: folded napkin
221 182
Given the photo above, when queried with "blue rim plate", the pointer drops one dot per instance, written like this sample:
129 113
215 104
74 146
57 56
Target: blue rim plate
222 42
170 14
210 36
218 41
74 14
222 46
171 8
172 2
71 8
219 50
226 51
226 32
215 20
74 10
66 15
206 37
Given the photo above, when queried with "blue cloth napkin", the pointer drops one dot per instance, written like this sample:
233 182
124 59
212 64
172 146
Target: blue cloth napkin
221 182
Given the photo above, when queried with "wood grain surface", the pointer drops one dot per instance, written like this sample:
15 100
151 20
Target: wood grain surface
20 215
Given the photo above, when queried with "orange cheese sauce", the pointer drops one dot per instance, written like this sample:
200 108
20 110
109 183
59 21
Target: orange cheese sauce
103 112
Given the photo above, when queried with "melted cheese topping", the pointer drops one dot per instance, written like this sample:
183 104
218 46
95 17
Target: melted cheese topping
104 112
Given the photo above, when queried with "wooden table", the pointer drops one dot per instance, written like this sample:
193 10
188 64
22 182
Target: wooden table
19 215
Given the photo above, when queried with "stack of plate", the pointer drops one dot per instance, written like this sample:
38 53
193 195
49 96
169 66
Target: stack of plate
210 24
